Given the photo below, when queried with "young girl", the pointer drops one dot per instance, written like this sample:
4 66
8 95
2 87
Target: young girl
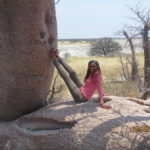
92 81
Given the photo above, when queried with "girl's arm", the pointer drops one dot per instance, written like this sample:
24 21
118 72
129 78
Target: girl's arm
100 91
99 87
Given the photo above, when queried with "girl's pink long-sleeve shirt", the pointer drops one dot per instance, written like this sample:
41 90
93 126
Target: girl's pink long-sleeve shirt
91 84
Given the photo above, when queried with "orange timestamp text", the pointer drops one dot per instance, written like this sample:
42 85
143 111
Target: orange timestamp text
141 128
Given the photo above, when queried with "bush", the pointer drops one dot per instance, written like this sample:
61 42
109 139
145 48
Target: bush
104 47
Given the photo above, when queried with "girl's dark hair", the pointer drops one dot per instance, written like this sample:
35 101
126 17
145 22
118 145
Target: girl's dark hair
97 65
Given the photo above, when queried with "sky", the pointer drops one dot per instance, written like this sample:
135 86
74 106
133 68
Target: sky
94 18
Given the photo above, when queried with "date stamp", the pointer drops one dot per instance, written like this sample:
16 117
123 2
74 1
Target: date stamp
141 128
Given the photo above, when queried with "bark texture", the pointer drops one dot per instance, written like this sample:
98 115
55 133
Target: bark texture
145 93
27 35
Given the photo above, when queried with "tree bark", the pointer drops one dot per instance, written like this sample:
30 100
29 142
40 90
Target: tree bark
145 94
27 35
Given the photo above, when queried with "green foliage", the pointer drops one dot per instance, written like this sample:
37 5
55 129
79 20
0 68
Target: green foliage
104 46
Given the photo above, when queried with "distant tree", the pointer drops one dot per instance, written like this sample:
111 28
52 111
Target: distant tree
104 46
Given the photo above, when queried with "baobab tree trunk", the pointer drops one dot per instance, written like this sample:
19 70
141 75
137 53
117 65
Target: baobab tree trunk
134 72
145 94
27 35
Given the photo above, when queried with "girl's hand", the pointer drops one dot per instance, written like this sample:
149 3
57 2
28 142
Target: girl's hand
105 106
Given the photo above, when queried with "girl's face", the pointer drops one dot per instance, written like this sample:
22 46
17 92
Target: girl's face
92 67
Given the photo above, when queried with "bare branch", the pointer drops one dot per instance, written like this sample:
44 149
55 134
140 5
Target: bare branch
57 1
141 14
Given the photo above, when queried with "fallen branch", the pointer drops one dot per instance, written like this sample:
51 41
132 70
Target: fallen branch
139 101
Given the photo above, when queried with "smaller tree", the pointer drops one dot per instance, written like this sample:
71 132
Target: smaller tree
134 66
104 46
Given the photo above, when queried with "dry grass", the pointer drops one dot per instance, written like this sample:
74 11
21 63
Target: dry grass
110 67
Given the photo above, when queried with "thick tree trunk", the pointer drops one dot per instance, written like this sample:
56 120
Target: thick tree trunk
27 34
146 46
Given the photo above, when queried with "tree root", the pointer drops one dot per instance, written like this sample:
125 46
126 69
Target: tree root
141 102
